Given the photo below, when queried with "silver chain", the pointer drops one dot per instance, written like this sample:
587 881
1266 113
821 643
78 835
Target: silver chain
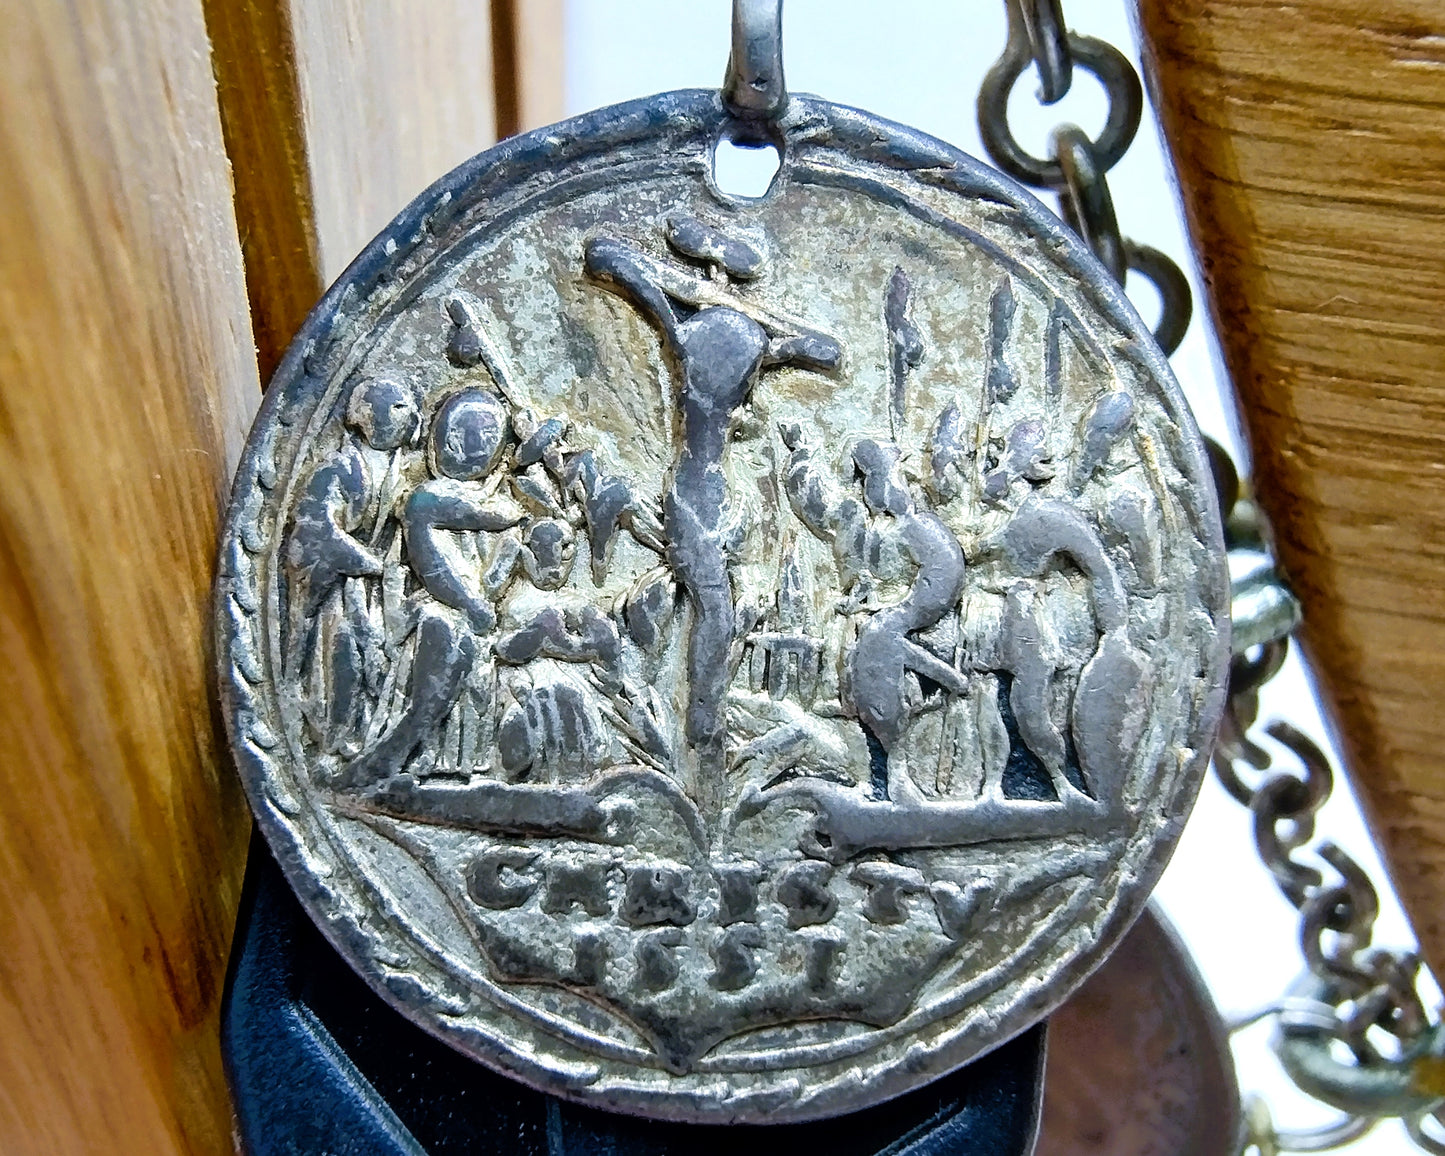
1077 166
1392 1063
1353 1033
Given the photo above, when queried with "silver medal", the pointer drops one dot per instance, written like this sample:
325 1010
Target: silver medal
723 659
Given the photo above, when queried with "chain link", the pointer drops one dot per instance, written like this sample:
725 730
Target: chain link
1352 994
1043 22
1040 22
1266 1138
1077 165
1431 1139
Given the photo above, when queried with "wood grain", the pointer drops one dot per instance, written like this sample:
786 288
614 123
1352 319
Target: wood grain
127 383
528 64
255 64
541 66
393 95
1310 142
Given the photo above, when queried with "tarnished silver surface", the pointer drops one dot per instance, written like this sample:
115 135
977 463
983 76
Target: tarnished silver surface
1139 1061
723 659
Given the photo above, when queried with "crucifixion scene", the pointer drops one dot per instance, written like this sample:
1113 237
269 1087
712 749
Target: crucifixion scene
772 685
437 615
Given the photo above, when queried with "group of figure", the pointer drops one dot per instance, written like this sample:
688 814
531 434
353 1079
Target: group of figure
909 654
407 540
401 549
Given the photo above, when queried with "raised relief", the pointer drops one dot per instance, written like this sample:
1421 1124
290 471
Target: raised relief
734 660
501 667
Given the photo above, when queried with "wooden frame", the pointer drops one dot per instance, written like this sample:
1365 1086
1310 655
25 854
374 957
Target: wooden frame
139 288
1310 141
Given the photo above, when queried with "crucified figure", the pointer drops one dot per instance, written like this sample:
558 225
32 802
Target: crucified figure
720 344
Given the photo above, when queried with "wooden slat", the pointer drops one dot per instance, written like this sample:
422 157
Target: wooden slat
127 383
541 67
337 113
255 65
1310 143
393 95
528 63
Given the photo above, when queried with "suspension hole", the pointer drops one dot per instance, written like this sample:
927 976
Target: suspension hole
745 171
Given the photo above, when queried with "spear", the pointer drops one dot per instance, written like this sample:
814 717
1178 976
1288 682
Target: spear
905 345
999 384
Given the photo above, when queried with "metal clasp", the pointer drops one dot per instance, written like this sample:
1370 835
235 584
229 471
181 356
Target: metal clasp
1263 608
1372 1085
753 88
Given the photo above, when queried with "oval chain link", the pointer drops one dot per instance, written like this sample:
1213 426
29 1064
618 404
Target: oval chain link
1432 1141
1350 989
1043 22
1038 23
1351 986
1077 165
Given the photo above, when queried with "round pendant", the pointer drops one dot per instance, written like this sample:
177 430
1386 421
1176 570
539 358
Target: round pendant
1138 1059
724 659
